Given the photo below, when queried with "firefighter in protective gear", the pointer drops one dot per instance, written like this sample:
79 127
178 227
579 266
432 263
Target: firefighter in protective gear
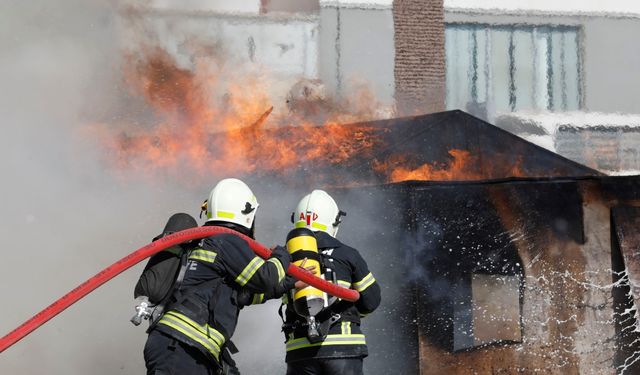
342 346
193 336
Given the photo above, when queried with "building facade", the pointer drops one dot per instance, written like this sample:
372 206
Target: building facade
506 62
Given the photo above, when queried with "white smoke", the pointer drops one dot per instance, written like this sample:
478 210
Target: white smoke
66 215
64 218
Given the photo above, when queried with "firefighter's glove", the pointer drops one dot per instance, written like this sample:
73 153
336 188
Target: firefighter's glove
282 255
286 285
244 298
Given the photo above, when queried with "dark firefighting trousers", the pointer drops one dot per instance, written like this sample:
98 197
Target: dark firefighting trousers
163 355
328 366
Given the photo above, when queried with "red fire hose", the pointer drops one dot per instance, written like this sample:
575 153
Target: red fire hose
146 251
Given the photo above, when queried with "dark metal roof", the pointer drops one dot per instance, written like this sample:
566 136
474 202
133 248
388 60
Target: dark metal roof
411 142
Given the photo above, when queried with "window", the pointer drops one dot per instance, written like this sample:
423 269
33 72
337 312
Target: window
487 310
510 68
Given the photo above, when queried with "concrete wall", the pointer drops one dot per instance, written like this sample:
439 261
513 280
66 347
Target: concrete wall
606 142
309 6
286 45
283 48
608 149
356 45
357 41
249 6
611 61
610 53
362 39
397 47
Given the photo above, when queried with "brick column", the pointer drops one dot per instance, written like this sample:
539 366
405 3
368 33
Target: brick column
420 56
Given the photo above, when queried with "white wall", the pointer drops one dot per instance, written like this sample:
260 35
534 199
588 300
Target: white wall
281 49
565 6
368 4
250 6
356 45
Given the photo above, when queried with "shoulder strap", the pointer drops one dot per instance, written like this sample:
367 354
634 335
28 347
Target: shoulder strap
175 291
183 269
281 313
328 270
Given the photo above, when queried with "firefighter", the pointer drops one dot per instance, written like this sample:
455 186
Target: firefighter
193 335
339 347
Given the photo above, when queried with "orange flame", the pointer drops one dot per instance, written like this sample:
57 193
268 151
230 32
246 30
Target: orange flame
205 122
462 167
225 131
457 169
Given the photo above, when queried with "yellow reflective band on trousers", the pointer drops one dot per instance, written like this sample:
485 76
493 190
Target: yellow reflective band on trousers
249 270
303 342
363 284
207 336
203 255
279 267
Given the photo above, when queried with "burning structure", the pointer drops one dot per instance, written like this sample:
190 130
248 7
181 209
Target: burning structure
500 274
495 255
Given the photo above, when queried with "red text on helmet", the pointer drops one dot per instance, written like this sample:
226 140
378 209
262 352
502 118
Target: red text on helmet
308 217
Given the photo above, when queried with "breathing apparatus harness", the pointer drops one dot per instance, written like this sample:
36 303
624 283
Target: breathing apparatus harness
319 312
316 326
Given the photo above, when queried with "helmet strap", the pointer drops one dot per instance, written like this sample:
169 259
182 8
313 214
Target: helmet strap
203 207
338 220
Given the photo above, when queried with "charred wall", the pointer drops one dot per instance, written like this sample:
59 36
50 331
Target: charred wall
625 256
493 276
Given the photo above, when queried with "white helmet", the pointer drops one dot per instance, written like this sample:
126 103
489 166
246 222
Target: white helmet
319 212
232 201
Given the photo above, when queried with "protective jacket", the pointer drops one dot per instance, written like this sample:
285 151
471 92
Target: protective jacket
344 338
204 311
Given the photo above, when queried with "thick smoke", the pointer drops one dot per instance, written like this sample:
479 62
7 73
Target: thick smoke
64 217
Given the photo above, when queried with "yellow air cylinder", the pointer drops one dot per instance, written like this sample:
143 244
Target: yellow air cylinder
302 244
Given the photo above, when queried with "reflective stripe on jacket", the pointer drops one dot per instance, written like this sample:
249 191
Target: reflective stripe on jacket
204 312
202 335
345 339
